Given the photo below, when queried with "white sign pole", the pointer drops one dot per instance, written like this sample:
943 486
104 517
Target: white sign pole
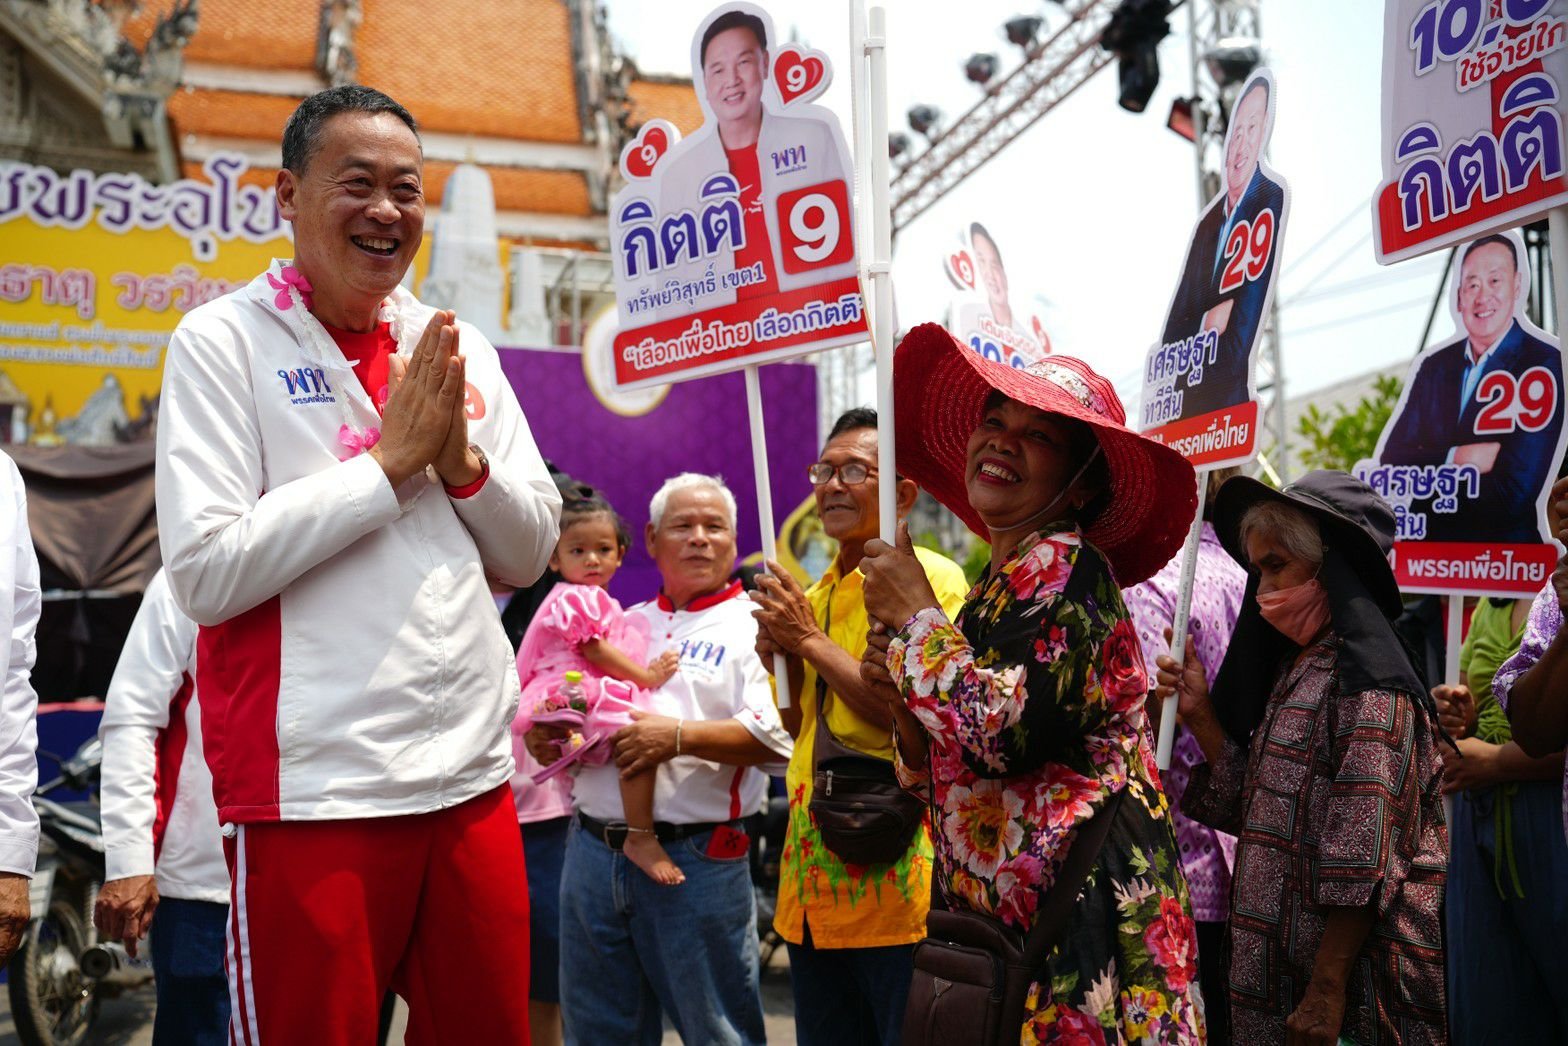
860 127
1454 637
759 465
1557 241
881 269
1189 572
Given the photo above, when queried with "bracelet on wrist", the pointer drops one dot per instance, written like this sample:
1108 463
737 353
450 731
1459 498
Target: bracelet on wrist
678 724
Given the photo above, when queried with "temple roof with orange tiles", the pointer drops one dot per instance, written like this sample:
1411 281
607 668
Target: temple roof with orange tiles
527 89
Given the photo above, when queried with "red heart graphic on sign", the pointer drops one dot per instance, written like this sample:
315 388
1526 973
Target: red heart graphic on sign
962 269
800 75
645 151
1040 336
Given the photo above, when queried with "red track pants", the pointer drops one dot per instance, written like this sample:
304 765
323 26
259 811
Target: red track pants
327 915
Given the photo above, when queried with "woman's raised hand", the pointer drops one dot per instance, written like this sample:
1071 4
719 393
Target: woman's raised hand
896 586
1190 685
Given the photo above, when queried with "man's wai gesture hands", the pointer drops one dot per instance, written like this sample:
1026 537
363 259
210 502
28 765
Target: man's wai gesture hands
423 422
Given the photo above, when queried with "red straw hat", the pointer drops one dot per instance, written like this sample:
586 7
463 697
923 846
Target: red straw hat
939 391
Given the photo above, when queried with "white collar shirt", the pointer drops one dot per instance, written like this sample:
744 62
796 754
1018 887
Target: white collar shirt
720 677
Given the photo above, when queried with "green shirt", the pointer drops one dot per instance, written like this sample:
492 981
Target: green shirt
1492 640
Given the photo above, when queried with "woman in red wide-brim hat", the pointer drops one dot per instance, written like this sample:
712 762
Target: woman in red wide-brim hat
1026 713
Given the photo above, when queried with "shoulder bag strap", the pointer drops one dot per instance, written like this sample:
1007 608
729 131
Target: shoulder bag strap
1057 905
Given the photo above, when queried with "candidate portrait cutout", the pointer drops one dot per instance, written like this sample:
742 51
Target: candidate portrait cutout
986 315
1198 392
1476 439
735 246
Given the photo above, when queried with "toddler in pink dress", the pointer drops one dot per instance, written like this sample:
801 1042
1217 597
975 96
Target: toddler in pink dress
580 628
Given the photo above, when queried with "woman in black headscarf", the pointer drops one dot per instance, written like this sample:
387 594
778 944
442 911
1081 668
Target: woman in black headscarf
1322 760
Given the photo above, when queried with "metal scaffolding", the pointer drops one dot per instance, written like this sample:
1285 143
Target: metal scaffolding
1051 71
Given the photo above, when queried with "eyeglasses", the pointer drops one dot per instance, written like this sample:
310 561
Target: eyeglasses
849 473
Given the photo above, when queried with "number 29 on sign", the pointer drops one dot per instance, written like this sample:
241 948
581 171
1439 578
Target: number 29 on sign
1248 250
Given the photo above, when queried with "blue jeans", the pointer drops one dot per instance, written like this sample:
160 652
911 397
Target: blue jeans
849 996
544 849
187 943
632 950
1505 960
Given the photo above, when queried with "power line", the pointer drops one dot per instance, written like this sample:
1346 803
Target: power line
1399 274
1371 314
1366 238
1358 209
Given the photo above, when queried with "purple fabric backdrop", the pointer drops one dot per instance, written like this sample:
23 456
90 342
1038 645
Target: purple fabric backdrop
700 427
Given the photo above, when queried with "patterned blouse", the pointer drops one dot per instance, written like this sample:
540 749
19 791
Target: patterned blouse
1546 620
1336 804
1033 707
1207 856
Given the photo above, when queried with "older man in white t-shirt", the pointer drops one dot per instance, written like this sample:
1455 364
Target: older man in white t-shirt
632 949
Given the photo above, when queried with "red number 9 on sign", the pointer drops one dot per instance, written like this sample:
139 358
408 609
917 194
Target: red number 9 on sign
814 226
1526 403
1247 251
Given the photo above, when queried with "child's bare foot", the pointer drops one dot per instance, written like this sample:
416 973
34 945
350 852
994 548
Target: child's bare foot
643 847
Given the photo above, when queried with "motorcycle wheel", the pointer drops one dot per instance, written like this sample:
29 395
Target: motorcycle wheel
51 1003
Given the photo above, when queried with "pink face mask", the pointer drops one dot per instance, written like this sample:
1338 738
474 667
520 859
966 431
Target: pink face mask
1298 613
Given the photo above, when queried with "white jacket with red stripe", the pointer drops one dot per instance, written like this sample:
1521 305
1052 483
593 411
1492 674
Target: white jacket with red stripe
351 661
158 813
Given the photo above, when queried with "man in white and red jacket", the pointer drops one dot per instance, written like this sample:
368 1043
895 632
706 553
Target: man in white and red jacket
163 851
340 469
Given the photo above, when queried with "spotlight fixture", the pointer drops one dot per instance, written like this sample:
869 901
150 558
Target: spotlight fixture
897 145
981 68
1134 34
923 120
1181 119
1231 60
1139 74
1022 31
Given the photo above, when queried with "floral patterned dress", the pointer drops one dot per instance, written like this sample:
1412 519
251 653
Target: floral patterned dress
1033 703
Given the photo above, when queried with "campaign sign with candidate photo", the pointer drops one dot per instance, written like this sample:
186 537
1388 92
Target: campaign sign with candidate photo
982 315
735 246
1472 448
1473 97
1198 393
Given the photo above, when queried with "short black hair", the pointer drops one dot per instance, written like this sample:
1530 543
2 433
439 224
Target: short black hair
586 503
852 419
732 20
976 229
302 134
1496 237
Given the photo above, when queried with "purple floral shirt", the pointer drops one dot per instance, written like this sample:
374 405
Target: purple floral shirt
1546 619
1207 855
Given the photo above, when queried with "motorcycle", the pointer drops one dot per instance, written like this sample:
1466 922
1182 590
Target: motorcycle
61 972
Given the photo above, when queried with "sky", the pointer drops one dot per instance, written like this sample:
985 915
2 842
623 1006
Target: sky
1093 206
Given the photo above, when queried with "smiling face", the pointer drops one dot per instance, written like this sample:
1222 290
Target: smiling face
589 551
1245 143
694 544
1019 460
1488 287
849 510
733 69
358 211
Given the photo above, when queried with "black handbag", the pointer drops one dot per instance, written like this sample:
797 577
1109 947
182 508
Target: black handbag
972 972
862 813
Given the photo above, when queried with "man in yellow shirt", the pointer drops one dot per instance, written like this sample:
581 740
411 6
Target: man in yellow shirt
851 929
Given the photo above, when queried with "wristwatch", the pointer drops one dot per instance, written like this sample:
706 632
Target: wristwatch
484 461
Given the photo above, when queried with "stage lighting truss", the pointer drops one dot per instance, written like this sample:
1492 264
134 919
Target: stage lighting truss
1051 71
